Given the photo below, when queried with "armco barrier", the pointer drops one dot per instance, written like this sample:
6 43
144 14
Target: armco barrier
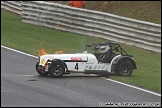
92 23
14 6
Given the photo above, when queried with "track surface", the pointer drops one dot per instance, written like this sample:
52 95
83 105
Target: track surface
21 86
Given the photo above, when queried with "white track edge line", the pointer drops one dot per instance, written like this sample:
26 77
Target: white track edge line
132 86
91 74
18 51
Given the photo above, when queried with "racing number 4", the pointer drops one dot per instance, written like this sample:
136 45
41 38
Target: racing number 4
76 66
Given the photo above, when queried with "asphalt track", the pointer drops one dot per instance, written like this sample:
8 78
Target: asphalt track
21 86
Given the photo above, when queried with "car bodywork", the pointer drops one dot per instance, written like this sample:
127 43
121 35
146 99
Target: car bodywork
115 61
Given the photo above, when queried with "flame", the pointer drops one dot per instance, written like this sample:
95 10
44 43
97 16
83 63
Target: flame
59 52
42 52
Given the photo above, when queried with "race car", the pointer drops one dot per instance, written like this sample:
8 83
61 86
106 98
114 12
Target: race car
99 58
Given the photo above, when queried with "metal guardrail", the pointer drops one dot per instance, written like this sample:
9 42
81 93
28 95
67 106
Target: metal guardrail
92 23
14 6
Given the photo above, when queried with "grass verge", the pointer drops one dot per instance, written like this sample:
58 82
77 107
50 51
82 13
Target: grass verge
30 38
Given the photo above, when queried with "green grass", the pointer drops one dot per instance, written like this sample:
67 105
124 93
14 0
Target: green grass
30 38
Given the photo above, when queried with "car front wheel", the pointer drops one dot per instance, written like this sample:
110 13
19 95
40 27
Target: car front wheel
39 71
124 68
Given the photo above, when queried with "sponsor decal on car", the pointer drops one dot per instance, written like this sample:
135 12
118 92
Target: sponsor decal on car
76 58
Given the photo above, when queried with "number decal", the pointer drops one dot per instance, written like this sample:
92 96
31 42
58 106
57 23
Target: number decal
76 66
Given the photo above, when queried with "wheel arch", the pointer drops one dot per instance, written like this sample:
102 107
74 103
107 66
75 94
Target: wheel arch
126 58
60 61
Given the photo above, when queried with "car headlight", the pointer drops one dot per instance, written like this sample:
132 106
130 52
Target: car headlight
43 61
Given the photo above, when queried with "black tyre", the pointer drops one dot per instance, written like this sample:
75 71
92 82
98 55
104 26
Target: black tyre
56 70
39 71
124 68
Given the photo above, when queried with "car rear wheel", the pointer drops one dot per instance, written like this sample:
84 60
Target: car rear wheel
41 72
56 70
124 68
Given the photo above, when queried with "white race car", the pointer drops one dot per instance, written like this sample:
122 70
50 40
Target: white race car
108 57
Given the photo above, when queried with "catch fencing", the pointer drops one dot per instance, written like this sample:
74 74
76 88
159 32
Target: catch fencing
132 32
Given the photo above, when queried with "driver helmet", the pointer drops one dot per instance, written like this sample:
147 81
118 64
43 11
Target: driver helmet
104 49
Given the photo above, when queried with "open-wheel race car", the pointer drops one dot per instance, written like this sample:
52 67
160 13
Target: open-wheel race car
107 57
